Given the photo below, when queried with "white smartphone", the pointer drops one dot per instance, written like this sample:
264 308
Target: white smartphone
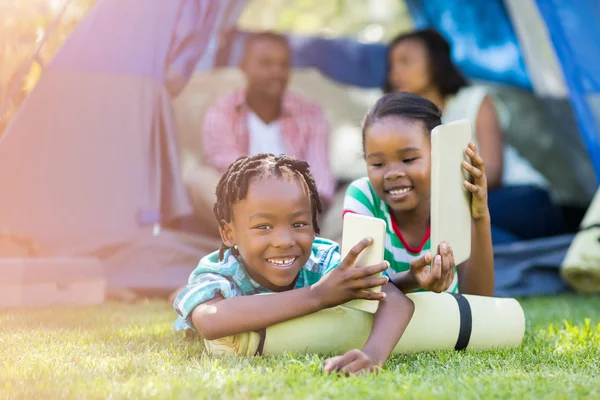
357 227
450 200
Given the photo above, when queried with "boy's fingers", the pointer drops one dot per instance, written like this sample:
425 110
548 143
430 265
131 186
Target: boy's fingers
370 270
367 295
369 283
355 252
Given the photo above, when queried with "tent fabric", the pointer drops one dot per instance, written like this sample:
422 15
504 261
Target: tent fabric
573 27
155 264
542 131
484 43
87 154
141 38
539 55
226 17
92 154
574 185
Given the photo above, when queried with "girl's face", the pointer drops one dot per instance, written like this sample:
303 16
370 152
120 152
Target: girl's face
409 67
398 155
272 228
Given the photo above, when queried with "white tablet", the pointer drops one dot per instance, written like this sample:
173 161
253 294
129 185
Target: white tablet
450 200
357 227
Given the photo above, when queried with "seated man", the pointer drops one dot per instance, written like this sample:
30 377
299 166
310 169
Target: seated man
262 118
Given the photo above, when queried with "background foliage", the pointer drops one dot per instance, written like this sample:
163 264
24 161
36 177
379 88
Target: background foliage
26 25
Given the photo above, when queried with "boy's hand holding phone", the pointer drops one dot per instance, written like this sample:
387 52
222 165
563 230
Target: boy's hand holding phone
346 282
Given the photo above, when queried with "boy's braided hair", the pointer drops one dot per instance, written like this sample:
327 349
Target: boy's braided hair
233 185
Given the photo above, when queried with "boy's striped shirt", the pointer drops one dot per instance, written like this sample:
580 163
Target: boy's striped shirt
229 278
361 199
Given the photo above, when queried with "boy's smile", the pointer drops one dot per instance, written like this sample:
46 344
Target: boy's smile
272 229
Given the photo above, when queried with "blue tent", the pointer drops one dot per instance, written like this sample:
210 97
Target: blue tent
105 81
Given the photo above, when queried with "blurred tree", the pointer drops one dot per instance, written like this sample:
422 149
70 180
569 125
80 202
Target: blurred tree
24 26
364 20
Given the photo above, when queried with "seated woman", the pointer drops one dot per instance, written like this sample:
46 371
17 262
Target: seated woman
420 62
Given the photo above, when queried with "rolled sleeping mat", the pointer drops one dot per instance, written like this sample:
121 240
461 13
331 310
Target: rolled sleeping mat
581 266
440 321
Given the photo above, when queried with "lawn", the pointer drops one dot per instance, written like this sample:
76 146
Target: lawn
130 351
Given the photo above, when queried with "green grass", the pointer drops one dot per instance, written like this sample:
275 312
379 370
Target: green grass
124 351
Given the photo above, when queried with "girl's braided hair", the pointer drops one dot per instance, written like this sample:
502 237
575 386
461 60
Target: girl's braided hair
233 185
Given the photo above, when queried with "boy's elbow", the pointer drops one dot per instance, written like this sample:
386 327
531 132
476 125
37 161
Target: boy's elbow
209 334
204 326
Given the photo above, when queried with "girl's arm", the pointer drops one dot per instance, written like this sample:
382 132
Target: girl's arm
406 281
476 275
491 142
389 323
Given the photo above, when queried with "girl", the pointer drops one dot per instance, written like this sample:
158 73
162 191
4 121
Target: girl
396 142
267 209
420 62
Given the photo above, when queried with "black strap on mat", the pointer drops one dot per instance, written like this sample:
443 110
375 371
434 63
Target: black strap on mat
466 322
261 343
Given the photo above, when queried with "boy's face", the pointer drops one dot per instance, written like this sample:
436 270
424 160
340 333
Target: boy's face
398 155
272 228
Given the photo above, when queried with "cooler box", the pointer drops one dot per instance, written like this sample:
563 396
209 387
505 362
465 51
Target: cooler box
45 282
